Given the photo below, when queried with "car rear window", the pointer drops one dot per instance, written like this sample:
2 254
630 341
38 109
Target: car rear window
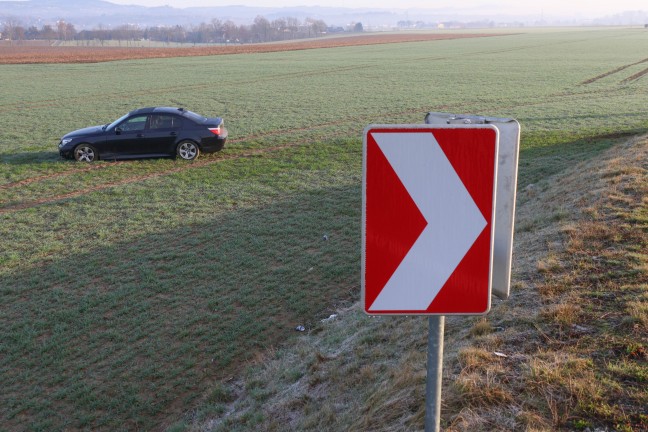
195 117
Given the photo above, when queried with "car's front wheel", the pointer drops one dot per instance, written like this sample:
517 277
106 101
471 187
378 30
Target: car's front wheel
188 150
85 153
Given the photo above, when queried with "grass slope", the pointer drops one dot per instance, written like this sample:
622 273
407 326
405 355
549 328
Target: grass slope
568 351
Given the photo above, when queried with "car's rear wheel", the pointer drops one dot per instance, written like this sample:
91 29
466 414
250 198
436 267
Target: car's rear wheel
188 150
85 153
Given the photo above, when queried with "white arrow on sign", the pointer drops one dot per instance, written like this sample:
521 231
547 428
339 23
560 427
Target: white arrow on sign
453 220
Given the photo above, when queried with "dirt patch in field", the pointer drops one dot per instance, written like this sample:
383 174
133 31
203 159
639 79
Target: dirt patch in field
27 54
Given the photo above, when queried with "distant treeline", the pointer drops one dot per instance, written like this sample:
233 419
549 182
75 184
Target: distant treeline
217 31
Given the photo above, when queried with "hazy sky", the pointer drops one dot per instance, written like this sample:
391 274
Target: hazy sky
548 7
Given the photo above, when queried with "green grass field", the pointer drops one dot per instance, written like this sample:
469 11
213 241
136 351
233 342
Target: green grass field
130 290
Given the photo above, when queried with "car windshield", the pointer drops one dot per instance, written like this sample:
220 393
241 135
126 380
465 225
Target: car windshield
116 122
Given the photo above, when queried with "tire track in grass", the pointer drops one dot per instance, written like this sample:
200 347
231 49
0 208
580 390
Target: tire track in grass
94 167
572 95
349 119
252 136
53 103
614 71
636 76
28 181
77 170
245 153
197 164
276 132
130 180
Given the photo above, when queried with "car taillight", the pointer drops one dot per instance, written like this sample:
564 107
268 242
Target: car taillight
215 130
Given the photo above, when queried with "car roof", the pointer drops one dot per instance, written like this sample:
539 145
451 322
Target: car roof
164 110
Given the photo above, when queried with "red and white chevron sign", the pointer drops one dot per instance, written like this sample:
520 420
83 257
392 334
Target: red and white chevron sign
428 217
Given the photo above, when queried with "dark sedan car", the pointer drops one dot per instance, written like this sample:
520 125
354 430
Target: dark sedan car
147 132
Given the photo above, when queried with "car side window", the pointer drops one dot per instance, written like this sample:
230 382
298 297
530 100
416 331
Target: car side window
136 123
165 121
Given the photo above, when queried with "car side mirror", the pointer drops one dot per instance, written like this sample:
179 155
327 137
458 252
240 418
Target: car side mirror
118 131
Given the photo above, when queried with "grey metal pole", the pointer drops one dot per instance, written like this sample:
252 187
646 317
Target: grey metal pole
436 324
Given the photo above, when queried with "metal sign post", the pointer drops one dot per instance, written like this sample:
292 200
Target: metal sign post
436 326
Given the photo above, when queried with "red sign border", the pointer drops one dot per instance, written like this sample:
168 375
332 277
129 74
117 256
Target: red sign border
395 128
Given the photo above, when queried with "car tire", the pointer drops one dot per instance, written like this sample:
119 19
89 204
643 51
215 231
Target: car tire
85 153
188 150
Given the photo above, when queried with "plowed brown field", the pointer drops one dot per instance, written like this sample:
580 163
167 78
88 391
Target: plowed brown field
26 54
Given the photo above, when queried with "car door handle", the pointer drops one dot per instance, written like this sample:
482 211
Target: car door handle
140 135
173 134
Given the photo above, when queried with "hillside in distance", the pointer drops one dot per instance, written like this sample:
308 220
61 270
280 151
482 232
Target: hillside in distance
91 13
88 14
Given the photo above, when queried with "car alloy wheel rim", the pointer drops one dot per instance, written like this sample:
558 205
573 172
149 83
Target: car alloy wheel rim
85 154
188 151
